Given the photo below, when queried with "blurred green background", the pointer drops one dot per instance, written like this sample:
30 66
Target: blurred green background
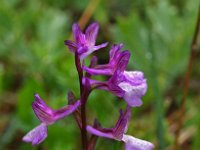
34 59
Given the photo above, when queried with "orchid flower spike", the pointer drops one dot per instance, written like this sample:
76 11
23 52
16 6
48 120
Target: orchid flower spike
84 44
118 133
117 57
47 116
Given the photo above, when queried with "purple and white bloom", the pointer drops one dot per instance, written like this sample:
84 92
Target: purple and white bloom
135 86
118 133
84 44
117 58
47 116
131 85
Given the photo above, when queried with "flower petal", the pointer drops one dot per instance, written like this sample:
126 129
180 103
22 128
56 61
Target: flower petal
134 77
113 84
78 35
122 61
135 86
116 90
37 135
91 33
65 111
133 143
115 50
94 71
122 124
99 133
71 45
92 49
42 111
118 59
133 100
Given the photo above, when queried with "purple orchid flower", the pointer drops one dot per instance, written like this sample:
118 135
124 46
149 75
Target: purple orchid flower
47 116
131 85
84 43
118 133
117 57
134 85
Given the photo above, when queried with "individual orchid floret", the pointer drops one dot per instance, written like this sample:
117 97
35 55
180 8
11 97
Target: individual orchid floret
118 133
47 116
117 58
135 86
131 85
84 44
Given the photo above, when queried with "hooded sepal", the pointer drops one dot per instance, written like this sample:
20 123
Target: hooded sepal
122 123
47 115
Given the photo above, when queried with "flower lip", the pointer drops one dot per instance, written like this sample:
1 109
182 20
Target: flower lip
132 143
36 135
135 86
134 77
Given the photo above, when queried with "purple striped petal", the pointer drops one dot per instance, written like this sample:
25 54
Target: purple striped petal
99 133
115 49
94 71
122 61
71 45
37 135
91 33
78 35
116 90
92 49
122 124
67 110
132 143
42 111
